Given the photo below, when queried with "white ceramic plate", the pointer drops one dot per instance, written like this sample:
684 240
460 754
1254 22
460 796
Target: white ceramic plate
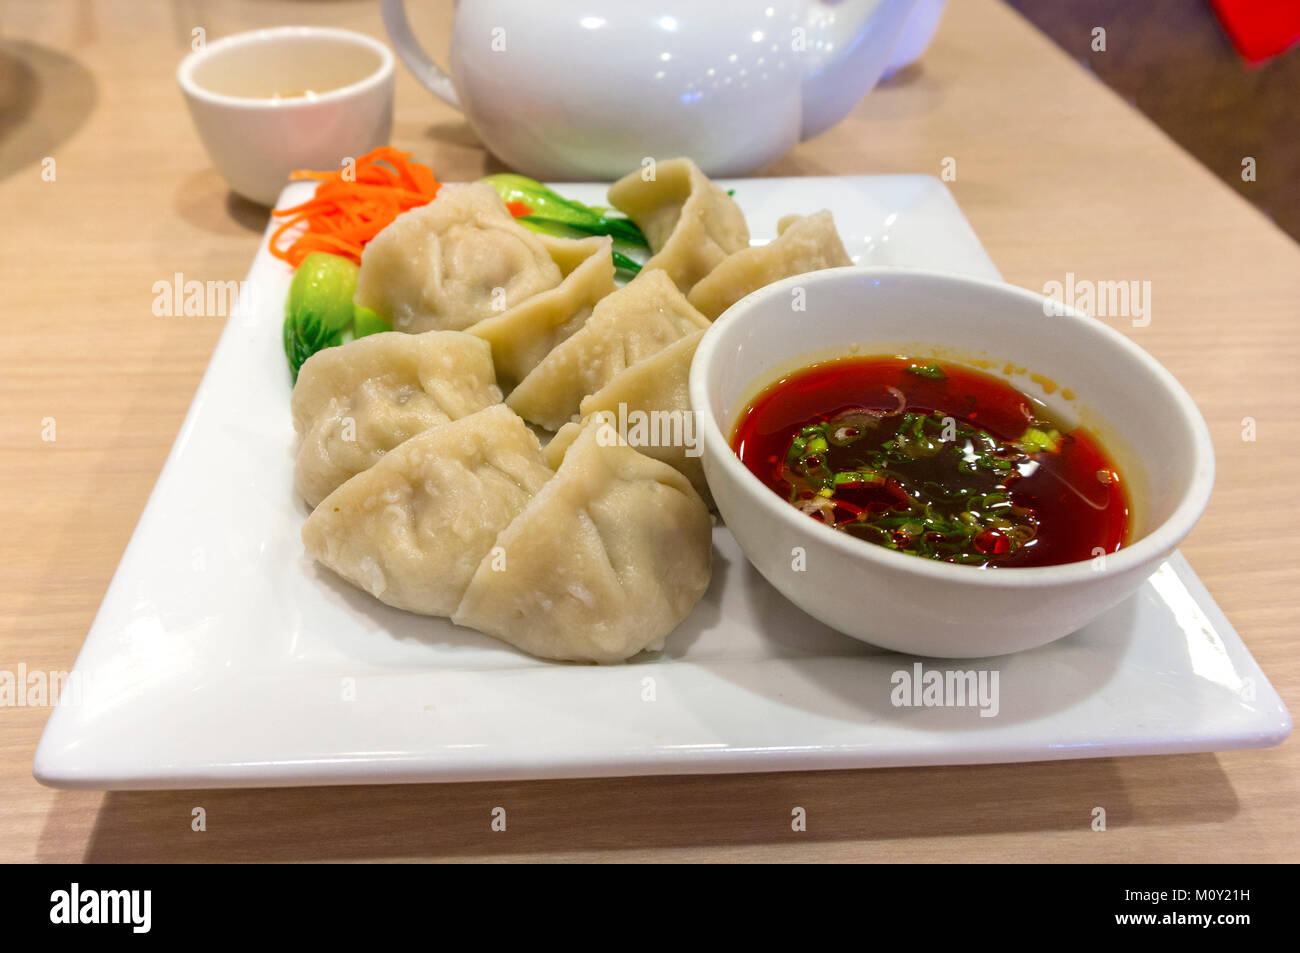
222 657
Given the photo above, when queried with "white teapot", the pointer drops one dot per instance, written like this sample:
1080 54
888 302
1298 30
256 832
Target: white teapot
571 89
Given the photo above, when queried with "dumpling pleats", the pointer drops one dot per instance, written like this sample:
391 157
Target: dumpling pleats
803 244
690 223
555 449
629 326
452 263
650 405
413 528
523 335
605 561
354 403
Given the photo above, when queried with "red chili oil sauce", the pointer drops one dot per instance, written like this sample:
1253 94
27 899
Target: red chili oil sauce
936 460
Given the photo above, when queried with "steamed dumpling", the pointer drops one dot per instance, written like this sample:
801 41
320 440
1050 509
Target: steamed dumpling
413 528
453 262
605 561
523 335
555 449
652 402
803 244
354 403
690 223
632 324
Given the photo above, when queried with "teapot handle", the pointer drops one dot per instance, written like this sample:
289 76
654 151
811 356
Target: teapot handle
412 53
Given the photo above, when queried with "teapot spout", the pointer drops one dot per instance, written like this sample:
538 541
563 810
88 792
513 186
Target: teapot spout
847 47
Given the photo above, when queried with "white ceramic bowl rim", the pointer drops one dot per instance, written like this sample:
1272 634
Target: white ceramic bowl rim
185 72
1162 539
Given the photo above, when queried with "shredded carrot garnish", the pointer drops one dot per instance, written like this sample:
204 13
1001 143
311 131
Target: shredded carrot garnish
351 206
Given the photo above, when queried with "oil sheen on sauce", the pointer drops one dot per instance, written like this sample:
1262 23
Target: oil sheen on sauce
936 460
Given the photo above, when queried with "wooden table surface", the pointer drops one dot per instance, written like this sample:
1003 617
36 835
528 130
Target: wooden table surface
1055 173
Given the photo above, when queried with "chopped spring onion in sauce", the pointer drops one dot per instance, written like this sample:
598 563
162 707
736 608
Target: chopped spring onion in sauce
934 460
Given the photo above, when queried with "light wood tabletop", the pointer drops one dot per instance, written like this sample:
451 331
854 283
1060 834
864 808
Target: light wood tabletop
1056 175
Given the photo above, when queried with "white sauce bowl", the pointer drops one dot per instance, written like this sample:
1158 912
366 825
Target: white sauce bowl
1143 417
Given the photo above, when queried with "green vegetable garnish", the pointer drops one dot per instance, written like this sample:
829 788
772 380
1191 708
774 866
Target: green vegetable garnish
550 213
623 263
905 507
1040 441
320 312
367 322
932 371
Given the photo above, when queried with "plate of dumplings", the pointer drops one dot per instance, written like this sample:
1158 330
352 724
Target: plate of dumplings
419 448
439 555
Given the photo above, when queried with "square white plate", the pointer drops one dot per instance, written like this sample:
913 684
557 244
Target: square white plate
222 657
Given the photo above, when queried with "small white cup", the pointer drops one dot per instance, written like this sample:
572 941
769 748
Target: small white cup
271 101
